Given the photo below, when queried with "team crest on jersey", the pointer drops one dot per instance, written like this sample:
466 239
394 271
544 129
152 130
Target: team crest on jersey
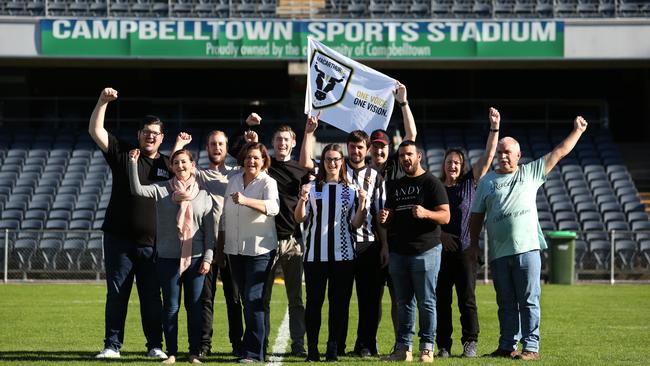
329 79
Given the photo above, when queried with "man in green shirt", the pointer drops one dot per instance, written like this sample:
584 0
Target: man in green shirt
505 199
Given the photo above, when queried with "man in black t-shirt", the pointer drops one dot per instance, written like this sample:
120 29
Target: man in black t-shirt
417 205
129 231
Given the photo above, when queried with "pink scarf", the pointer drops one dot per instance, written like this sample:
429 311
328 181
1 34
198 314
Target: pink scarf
183 194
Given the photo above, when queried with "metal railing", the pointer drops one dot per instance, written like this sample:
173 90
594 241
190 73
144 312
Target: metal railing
604 263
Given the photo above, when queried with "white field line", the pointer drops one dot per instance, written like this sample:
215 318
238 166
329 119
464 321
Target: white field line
281 341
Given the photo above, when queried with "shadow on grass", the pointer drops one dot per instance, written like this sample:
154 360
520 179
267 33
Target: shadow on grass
127 357
85 356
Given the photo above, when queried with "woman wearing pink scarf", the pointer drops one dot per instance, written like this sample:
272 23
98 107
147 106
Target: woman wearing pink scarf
185 241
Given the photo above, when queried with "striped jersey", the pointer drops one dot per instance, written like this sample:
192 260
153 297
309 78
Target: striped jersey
328 234
372 182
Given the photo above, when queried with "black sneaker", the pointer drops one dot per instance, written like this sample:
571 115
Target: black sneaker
444 352
503 353
298 350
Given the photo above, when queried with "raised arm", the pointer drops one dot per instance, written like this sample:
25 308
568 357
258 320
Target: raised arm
307 147
244 134
134 180
410 130
360 215
300 212
182 140
483 164
96 125
564 148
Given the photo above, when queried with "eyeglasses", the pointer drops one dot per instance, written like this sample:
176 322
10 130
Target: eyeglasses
151 133
333 160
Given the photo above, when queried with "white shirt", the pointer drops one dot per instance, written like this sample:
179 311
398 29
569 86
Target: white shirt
248 231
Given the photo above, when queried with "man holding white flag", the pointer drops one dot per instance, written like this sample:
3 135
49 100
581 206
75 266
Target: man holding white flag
347 94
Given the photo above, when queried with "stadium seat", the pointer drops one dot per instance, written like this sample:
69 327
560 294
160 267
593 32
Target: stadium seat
600 249
626 253
593 225
73 247
637 216
95 252
23 250
644 250
640 226
48 250
581 249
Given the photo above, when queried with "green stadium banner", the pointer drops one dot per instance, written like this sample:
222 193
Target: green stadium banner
287 39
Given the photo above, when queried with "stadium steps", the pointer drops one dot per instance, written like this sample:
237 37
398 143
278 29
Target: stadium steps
645 199
299 8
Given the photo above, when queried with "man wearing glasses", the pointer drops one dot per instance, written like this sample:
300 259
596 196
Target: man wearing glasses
129 231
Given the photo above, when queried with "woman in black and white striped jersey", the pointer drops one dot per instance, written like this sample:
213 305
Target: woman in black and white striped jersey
333 208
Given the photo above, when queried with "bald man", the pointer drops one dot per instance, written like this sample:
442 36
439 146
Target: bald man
506 199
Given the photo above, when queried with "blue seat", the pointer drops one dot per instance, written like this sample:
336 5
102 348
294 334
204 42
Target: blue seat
48 250
625 253
600 250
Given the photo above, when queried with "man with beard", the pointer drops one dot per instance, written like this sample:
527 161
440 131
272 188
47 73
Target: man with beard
417 205
214 180
130 231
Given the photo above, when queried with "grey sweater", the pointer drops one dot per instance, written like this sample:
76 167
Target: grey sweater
167 241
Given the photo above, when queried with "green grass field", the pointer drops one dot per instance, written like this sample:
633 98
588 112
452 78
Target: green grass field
59 324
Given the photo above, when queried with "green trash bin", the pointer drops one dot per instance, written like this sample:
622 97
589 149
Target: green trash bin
562 256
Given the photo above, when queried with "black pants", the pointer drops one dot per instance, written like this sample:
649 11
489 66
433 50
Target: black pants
340 276
370 279
456 269
233 305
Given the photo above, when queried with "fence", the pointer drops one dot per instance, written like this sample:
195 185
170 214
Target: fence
52 255
79 255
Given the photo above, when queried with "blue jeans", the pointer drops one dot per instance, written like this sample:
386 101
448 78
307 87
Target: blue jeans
171 282
250 274
415 276
125 260
516 282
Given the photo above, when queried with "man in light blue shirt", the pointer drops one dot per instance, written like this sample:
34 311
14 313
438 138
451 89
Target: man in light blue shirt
505 199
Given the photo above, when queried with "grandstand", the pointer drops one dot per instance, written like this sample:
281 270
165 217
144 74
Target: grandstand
593 60
446 9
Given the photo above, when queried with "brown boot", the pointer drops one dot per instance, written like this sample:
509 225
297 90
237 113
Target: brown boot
426 356
400 355
528 356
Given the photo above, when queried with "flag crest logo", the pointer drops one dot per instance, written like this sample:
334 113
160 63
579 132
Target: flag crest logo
331 81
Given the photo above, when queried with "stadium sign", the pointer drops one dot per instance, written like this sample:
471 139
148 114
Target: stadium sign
278 39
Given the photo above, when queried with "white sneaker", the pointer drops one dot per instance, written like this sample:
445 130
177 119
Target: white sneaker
157 353
108 353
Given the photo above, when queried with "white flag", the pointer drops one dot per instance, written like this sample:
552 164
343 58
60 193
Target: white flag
348 95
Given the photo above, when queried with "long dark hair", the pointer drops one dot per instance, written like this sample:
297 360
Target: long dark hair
464 167
343 176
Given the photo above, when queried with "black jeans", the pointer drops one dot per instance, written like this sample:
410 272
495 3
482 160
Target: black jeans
458 269
124 261
233 306
340 276
370 279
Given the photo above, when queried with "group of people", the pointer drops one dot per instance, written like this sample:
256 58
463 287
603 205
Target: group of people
341 220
